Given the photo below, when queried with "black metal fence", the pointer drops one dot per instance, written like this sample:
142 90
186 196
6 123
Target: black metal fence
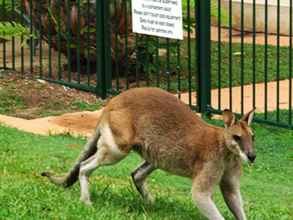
252 59
235 54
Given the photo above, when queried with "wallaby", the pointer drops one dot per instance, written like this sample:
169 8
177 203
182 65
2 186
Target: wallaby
168 136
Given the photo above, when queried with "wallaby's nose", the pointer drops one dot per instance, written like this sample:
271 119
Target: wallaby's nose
251 157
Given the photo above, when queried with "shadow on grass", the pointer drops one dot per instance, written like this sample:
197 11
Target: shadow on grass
129 200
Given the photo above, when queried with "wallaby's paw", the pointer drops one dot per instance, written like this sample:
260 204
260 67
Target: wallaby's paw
47 174
86 201
149 200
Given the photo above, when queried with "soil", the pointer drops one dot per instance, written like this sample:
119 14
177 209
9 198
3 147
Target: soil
29 98
83 123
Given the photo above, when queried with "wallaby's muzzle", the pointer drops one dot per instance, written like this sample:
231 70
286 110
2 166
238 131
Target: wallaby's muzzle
251 156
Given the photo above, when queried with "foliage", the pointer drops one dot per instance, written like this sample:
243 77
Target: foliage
13 29
9 25
7 6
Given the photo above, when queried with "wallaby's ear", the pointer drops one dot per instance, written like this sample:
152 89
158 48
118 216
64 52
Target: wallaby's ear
248 117
228 118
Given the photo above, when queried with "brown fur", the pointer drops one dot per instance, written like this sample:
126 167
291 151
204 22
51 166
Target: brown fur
164 128
169 136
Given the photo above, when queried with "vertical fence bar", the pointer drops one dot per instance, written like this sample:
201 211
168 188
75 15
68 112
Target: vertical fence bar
1 43
290 64
99 45
253 52
146 69
230 55
49 40
266 60
4 42
78 42
103 52
278 62
107 48
189 54
31 38
203 32
178 69
126 43
22 41
219 53
157 62
40 29
137 60
88 63
13 38
59 31
68 39
242 57
168 63
116 30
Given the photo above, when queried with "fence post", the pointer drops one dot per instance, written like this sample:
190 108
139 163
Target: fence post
103 51
203 36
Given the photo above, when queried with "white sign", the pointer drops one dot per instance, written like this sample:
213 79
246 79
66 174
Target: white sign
161 18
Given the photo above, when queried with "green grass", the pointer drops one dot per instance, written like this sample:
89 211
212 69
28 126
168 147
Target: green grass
10 101
266 187
284 116
224 68
57 107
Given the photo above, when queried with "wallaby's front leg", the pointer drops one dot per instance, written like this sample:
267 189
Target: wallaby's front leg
139 176
230 187
202 190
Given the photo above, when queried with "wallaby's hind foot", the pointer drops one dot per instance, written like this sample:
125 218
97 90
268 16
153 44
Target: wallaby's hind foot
57 180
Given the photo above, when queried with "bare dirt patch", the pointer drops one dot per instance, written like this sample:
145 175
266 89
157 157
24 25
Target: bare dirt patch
28 97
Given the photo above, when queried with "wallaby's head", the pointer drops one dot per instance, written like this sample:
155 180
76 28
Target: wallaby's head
238 135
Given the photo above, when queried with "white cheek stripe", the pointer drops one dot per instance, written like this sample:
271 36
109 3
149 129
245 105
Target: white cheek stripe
240 152
243 156
108 139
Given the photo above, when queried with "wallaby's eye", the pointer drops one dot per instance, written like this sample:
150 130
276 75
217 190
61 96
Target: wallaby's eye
236 138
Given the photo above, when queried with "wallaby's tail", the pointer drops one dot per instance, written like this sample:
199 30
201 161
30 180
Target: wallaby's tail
71 177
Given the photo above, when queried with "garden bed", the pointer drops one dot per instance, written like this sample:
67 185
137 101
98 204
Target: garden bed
28 97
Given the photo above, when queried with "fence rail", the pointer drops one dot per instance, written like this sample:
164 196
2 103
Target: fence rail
235 54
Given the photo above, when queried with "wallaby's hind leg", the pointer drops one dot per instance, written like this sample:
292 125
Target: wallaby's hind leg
106 155
139 176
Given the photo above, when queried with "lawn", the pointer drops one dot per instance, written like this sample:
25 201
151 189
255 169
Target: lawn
236 67
24 194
